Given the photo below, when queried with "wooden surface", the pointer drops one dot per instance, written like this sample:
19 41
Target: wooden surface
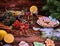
33 37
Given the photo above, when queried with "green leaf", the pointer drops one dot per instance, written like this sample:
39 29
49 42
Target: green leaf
48 1
43 35
55 15
12 19
47 13
9 21
57 3
52 8
52 11
45 7
54 38
58 9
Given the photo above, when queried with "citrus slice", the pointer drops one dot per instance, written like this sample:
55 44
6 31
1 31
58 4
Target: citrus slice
9 38
33 9
2 34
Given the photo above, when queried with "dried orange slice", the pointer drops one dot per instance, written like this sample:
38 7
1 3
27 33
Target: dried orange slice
9 38
2 34
33 9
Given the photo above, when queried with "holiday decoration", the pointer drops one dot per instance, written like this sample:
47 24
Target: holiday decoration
49 42
33 9
47 32
16 13
3 33
8 18
29 22
38 44
23 43
20 25
9 38
47 22
16 24
52 8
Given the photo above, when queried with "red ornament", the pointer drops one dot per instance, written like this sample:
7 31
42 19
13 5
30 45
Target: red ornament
16 24
21 26
26 27
21 29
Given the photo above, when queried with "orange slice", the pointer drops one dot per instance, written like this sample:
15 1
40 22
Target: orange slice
9 38
2 34
33 9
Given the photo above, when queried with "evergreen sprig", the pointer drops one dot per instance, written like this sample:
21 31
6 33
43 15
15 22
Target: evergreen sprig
52 8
